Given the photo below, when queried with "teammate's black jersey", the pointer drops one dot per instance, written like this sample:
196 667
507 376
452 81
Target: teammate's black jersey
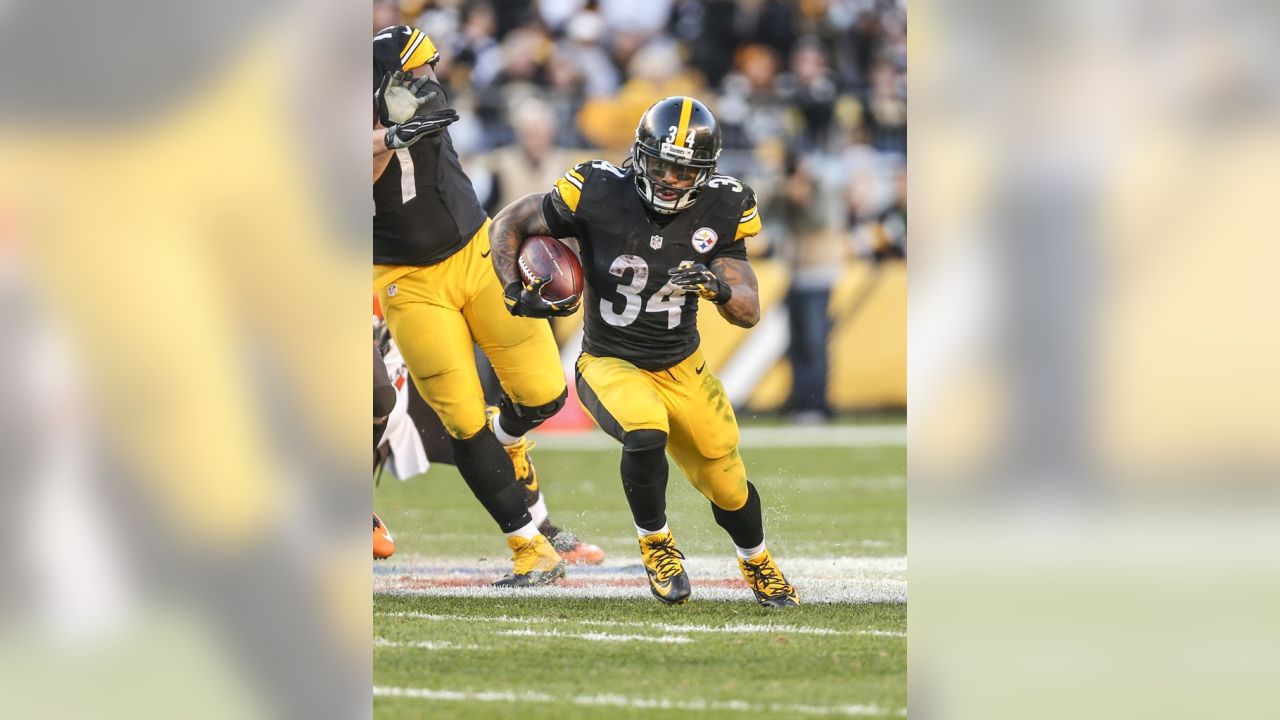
632 310
424 206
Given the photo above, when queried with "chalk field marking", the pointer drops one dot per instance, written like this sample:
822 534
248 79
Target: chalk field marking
423 644
733 628
625 701
598 636
753 437
820 580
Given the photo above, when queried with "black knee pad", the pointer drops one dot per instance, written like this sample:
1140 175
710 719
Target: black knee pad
642 440
519 419
644 477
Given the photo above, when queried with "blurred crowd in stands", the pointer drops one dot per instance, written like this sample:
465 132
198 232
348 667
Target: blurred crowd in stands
811 96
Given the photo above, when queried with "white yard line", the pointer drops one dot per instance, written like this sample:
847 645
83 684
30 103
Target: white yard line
859 593
422 644
698 566
599 637
820 580
625 701
783 436
732 628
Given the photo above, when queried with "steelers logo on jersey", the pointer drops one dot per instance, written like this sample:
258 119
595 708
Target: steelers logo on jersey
704 238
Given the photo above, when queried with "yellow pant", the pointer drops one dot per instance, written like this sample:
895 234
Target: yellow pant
435 313
690 406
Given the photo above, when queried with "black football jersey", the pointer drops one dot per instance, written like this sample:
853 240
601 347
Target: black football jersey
424 208
632 309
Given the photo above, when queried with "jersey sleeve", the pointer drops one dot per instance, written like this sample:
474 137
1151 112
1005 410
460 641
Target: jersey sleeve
569 186
749 224
560 207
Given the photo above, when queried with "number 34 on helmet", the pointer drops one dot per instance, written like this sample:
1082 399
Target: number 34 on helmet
677 145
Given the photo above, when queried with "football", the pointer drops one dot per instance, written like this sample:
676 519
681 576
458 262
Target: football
543 256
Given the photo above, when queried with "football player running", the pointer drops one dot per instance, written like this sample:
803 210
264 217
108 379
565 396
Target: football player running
439 295
656 235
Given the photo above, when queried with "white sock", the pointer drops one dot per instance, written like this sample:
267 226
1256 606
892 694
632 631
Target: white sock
528 532
538 511
503 436
748 553
642 532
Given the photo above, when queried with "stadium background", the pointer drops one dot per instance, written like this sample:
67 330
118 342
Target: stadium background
812 100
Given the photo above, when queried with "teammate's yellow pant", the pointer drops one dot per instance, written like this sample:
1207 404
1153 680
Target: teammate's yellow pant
434 313
687 402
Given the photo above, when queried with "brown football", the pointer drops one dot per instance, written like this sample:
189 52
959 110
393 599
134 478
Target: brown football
543 256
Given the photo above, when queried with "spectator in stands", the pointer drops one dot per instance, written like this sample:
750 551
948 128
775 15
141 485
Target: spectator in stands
645 18
475 48
890 234
886 109
810 88
581 53
533 162
655 72
814 255
385 14
750 107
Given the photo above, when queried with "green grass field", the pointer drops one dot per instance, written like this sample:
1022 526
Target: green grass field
596 646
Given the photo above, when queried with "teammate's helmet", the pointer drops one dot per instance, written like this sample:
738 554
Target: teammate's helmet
680 135
401 47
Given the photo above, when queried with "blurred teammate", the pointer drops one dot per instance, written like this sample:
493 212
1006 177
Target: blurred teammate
415 439
384 401
656 235
439 295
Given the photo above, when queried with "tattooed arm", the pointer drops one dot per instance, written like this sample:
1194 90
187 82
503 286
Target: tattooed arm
517 221
743 306
730 283
511 226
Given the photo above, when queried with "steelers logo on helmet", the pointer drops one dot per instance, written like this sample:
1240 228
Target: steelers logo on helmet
401 47
677 145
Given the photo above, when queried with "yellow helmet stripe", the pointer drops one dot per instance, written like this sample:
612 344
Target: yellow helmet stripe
408 46
686 109
419 51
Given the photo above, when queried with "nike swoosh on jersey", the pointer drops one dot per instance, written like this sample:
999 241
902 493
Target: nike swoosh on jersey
701 367
486 253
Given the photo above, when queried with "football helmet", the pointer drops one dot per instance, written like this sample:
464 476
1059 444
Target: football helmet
677 139
401 47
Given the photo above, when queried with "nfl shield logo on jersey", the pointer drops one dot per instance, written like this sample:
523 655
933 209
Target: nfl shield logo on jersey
704 239
655 242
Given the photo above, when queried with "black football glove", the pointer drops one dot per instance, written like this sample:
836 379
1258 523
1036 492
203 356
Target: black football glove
527 301
414 129
696 277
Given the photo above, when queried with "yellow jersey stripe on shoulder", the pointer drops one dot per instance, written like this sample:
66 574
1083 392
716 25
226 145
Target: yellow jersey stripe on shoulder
569 192
748 227
577 175
686 109
749 211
